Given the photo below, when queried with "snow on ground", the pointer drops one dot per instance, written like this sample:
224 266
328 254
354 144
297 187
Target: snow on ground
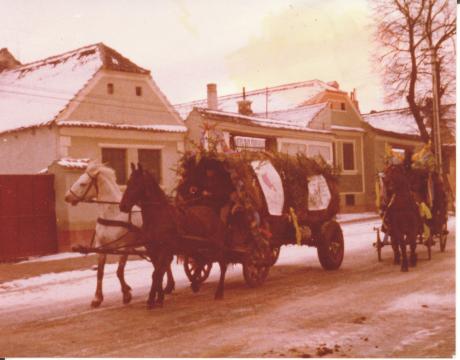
81 283
60 256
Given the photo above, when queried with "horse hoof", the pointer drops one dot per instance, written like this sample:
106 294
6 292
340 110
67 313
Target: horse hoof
169 289
127 297
195 287
96 303
150 305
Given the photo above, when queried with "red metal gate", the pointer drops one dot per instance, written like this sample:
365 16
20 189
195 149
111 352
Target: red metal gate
27 216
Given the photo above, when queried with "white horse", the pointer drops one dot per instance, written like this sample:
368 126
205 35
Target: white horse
114 229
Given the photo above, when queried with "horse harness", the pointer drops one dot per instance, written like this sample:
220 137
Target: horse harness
91 183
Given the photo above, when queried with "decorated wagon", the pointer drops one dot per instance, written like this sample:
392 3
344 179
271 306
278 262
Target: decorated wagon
428 192
265 200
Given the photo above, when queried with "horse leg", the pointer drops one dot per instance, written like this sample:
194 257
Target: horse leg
170 286
196 284
98 296
152 294
413 245
165 265
396 253
125 288
402 245
220 289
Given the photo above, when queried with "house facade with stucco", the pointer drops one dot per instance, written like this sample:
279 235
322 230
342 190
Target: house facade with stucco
89 103
311 117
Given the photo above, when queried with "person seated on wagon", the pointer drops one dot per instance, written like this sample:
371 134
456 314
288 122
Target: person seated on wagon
213 187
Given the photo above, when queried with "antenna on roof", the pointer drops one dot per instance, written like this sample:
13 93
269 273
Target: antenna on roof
244 93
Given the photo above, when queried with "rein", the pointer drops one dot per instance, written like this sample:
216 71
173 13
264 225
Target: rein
92 182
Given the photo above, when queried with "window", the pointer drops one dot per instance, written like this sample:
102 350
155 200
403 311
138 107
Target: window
138 91
110 88
116 159
293 148
348 156
349 199
322 150
342 106
150 159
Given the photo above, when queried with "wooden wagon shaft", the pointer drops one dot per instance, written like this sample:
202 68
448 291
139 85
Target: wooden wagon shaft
89 250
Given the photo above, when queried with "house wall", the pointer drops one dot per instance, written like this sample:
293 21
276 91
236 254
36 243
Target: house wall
351 182
195 123
75 224
28 151
87 143
94 103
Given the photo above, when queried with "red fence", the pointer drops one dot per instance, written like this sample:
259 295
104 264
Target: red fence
27 216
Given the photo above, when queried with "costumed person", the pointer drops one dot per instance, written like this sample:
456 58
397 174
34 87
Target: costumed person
213 187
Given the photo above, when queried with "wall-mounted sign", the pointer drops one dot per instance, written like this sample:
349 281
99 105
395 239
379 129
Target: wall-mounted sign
249 143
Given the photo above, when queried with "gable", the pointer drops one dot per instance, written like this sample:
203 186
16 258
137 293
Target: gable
124 106
34 94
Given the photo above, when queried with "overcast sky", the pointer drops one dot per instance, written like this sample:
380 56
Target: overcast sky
189 43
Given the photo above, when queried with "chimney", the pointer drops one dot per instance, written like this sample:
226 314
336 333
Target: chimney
212 96
334 84
354 99
244 106
7 60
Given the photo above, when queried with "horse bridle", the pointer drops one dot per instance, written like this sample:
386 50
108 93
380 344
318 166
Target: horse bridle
91 183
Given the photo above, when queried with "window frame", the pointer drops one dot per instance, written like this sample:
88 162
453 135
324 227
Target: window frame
344 171
110 88
125 165
160 159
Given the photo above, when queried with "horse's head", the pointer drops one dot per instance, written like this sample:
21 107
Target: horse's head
395 179
135 189
86 186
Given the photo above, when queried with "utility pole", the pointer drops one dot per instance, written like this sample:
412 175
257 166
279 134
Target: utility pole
436 126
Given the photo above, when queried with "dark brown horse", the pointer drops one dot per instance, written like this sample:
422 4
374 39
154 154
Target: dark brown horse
196 231
401 215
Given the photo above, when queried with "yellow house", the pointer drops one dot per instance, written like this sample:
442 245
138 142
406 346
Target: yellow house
312 117
89 103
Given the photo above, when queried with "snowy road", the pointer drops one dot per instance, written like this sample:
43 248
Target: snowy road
366 309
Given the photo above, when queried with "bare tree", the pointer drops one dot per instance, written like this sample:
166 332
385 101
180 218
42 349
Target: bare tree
412 34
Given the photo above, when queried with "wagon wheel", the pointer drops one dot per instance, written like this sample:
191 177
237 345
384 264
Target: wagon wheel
443 237
256 264
194 271
275 255
331 246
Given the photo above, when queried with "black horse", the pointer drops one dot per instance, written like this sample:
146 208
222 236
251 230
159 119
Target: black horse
401 217
196 231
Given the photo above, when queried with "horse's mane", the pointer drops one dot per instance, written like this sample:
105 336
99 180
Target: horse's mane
154 187
102 170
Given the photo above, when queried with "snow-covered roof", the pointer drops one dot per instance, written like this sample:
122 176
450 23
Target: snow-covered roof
257 121
398 121
72 163
300 116
401 121
269 99
34 94
150 127
347 128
